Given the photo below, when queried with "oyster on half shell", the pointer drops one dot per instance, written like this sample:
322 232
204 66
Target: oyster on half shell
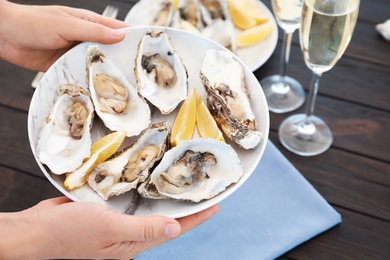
194 170
152 12
228 99
161 75
217 22
130 166
65 139
116 101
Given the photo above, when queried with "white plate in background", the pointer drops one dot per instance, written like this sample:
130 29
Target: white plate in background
253 56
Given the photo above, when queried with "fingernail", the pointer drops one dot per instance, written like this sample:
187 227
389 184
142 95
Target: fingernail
117 33
172 230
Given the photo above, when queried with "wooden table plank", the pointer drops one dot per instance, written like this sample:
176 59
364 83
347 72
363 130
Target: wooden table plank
357 237
356 128
15 151
19 190
347 180
344 81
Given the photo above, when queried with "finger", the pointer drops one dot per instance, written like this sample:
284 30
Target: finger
146 228
85 25
81 30
96 18
189 222
186 223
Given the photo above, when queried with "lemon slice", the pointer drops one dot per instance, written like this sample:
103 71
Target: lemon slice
184 125
187 26
206 125
240 19
253 10
254 35
175 4
100 151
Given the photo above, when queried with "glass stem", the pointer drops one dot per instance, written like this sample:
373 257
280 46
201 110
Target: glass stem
285 53
311 99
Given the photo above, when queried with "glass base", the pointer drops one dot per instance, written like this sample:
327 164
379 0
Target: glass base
283 94
305 138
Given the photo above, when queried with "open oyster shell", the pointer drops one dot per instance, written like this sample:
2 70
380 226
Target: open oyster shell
116 101
153 12
130 166
162 77
228 98
218 24
189 11
65 139
194 170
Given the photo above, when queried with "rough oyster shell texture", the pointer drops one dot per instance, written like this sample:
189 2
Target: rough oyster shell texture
130 166
194 170
65 138
228 99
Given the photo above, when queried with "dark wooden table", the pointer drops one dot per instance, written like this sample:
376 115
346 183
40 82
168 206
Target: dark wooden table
353 176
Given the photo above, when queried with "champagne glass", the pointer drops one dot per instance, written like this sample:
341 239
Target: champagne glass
284 93
325 32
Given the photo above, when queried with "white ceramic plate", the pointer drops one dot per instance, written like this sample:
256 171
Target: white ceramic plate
70 68
253 56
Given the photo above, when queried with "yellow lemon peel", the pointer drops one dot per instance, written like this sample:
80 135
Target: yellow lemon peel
206 125
254 35
184 125
101 150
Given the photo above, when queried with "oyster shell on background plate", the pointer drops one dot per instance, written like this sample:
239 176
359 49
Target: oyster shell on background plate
65 138
218 24
116 101
228 99
154 12
130 166
189 11
194 170
161 76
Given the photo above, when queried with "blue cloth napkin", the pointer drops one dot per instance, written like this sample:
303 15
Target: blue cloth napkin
275 210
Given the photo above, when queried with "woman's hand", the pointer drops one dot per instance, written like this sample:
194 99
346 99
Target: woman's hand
35 36
58 228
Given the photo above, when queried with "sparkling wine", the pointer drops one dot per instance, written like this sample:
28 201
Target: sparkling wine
287 13
326 30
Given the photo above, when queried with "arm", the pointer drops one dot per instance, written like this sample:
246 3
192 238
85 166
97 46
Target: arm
35 36
58 228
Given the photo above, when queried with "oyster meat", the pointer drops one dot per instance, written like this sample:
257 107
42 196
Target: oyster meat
65 139
217 22
152 12
116 101
130 166
228 99
194 170
161 75
189 11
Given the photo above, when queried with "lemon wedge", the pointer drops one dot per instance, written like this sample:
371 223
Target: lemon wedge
175 4
253 10
206 125
101 150
184 125
240 19
187 26
254 35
